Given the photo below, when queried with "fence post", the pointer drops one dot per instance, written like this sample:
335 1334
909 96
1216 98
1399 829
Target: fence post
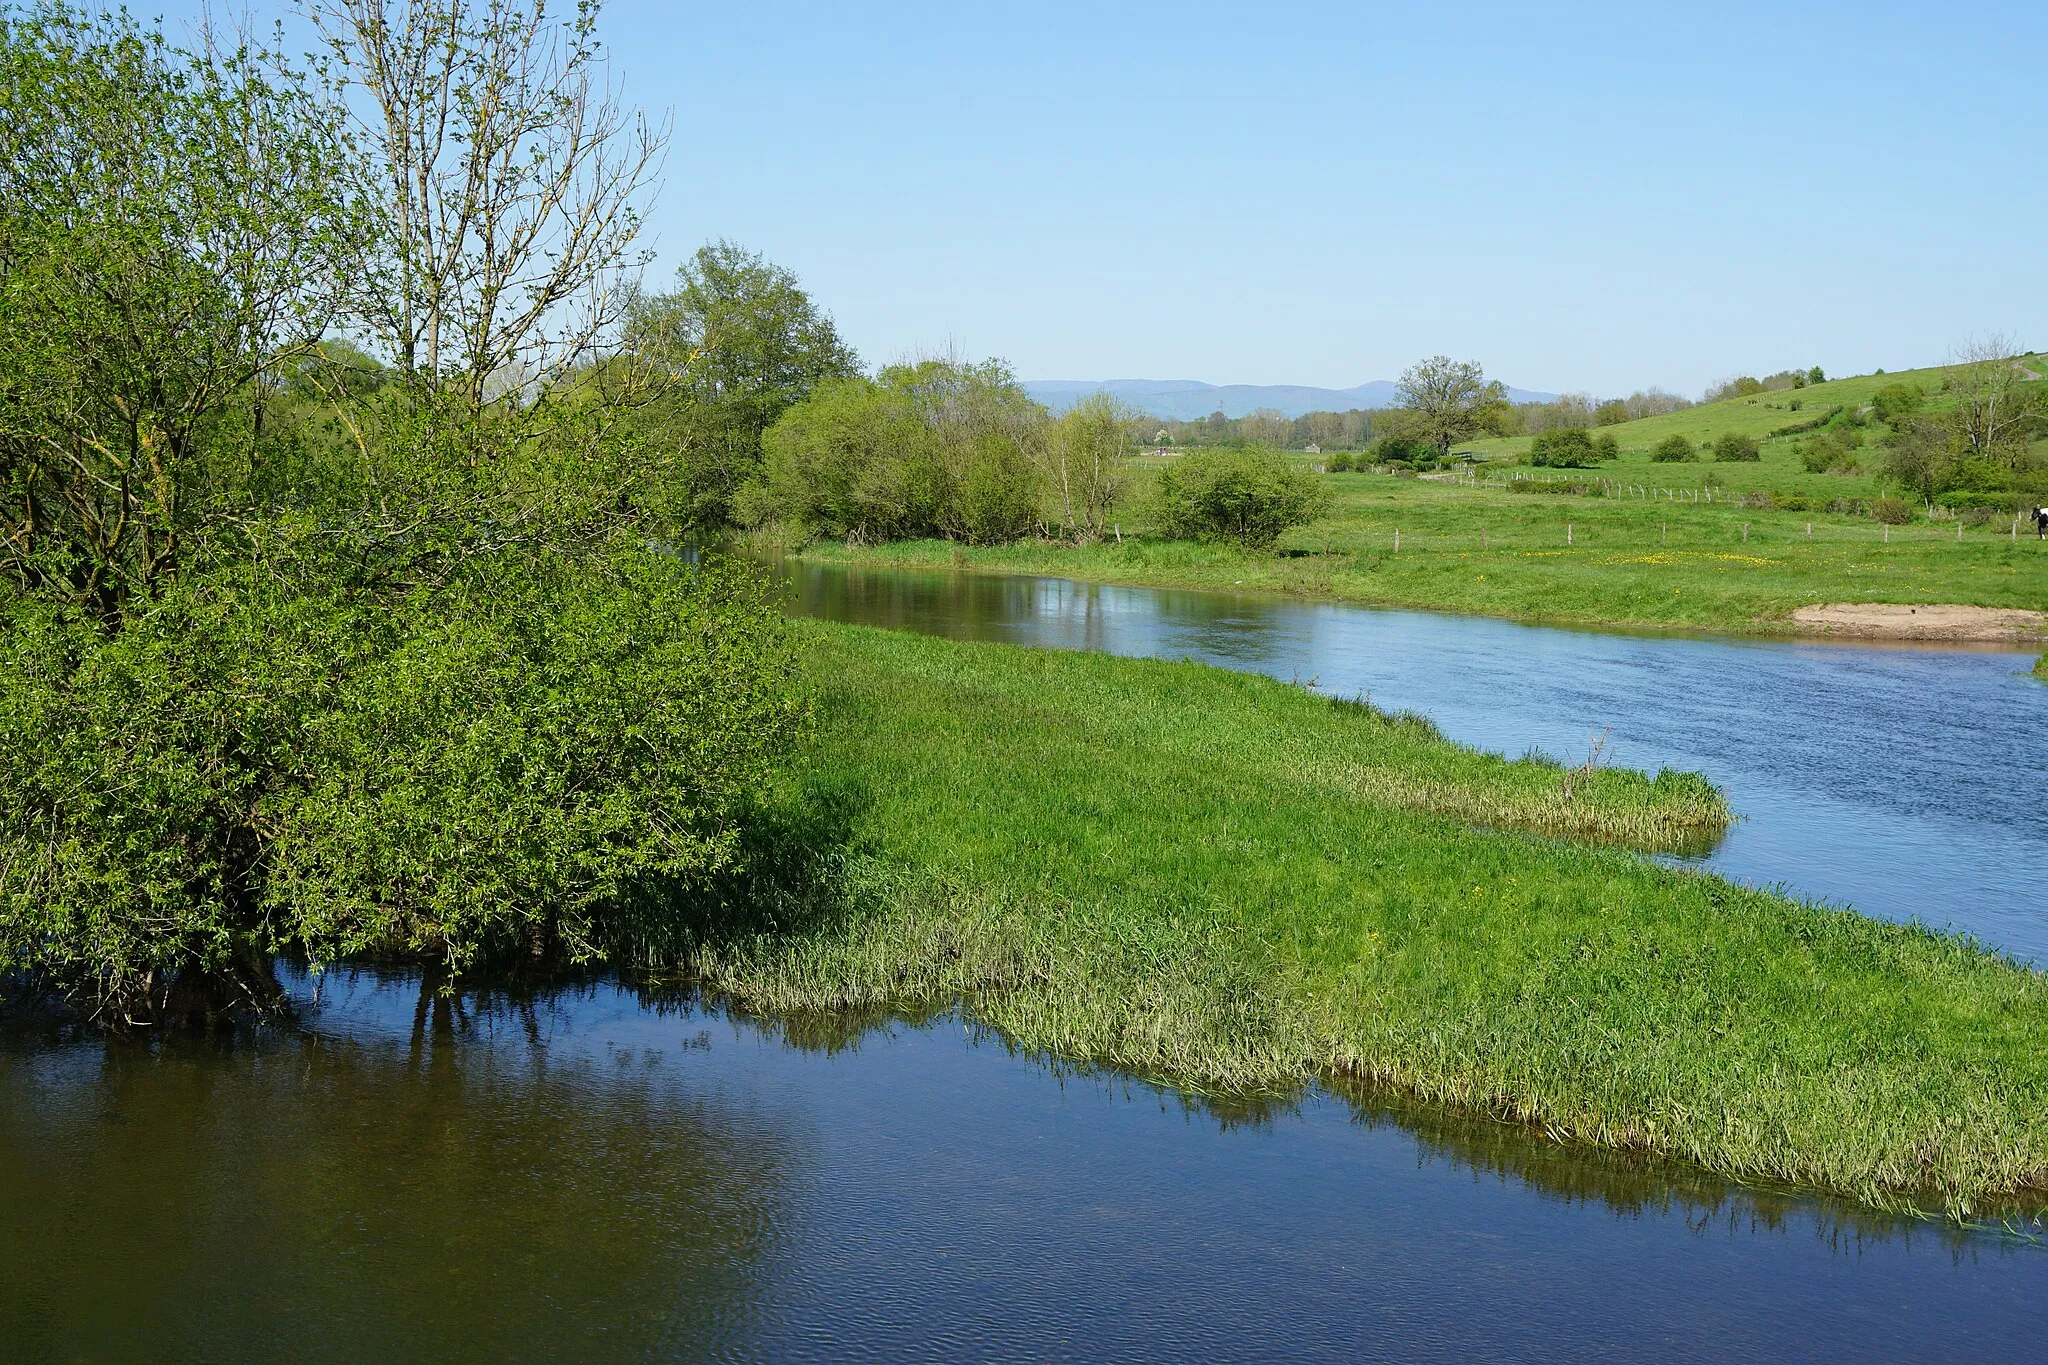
1397 540
1567 533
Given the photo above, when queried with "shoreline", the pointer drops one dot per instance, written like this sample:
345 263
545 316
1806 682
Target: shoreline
1048 560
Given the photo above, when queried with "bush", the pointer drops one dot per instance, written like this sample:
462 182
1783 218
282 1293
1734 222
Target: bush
1895 402
1605 447
508 760
1399 448
1562 448
1673 450
1734 448
1892 511
1246 497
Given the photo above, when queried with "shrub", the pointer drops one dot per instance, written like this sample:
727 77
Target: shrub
1605 447
1562 448
1732 447
1400 448
507 760
1673 449
1246 497
1892 511
1895 402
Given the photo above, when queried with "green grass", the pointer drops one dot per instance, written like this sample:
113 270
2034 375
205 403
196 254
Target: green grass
1630 562
1233 885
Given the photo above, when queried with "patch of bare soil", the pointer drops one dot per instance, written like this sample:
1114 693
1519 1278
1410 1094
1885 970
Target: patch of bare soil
1892 621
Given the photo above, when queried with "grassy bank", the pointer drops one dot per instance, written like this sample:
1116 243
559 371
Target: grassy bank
1541 557
1231 884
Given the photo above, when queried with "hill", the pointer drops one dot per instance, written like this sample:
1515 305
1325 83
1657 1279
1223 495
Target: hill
1188 400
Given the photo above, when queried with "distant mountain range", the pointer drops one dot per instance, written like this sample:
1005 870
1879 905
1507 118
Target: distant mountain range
1189 400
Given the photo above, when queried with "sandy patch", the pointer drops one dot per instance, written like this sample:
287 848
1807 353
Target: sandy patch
1887 621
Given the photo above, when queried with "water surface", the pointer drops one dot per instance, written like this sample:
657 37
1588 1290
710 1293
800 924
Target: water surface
589 1173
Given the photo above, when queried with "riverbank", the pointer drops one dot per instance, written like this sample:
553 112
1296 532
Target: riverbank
1231 884
1627 561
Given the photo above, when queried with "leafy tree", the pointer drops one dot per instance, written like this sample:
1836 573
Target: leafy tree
1245 497
1734 447
1086 454
173 228
1445 401
1605 447
1816 375
1673 449
736 345
1925 456
1611 413
936 448
1402 447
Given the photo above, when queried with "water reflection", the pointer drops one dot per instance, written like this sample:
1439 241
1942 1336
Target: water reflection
1903 782
596 1170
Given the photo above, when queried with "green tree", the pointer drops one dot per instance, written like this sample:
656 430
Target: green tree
1246 497
1673 449
1816 375
1611 413
736 345
1087 451
173 226
1445 401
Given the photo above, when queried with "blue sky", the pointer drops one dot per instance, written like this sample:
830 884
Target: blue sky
1596 197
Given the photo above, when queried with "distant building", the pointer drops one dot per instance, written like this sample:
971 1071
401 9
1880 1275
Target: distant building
1312 448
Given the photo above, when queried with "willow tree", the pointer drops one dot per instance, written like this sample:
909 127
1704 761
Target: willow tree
174 235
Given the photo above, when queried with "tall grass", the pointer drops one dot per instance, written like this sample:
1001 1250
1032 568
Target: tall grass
1230 885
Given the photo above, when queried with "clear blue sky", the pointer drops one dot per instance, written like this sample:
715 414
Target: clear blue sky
1589 196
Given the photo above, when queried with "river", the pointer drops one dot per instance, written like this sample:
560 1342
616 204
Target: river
582 1170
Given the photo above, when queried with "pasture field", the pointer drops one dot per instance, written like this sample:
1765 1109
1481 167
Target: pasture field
1237 886
1632 559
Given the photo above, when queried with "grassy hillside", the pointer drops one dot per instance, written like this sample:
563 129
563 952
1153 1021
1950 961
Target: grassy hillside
1231 884
1757 416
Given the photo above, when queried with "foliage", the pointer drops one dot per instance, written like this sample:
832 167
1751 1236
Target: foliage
263 761
173 236
1443 401
1401 447
1613 412
1569 448
736 345
938 448
1245 497
1891 511
1894 403
1732 447
1085 457
1674 449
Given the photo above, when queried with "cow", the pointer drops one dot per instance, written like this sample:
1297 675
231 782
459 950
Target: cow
2041 523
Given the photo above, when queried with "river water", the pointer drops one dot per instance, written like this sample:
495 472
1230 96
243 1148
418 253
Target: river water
580 1170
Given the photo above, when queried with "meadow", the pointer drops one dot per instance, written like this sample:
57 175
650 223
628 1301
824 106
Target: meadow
1238 886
